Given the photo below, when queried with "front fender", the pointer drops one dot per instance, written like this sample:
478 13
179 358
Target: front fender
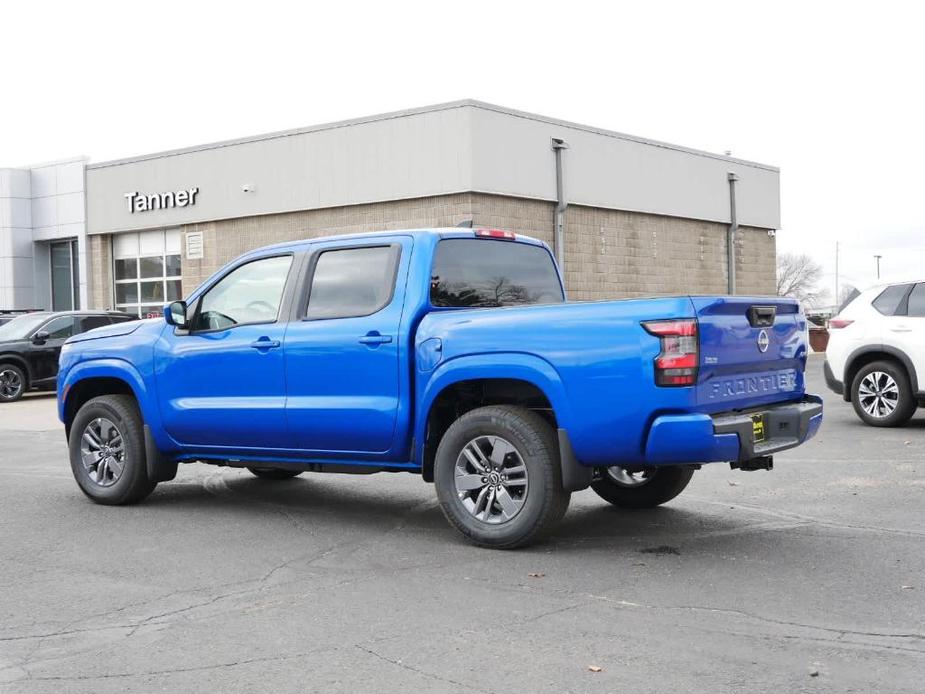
506 365
126 372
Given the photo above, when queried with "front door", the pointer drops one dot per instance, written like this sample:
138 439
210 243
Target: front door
46 348
221 383
342 354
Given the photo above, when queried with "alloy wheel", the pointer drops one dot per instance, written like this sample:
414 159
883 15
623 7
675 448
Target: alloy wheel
630 478
491 479
10 384
102 451
878 394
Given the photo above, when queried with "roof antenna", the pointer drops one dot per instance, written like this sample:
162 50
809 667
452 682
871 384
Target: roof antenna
465 224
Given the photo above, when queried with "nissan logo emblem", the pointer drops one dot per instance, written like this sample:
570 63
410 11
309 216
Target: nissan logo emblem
763 341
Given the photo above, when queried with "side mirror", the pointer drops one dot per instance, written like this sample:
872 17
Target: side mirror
40 338
175 314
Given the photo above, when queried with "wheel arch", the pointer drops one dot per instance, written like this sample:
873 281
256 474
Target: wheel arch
866 355
92 379
464 384
20 363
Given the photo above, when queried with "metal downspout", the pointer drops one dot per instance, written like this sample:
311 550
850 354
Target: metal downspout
561 205
731 235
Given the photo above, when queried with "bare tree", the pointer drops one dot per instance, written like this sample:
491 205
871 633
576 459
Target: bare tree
798 277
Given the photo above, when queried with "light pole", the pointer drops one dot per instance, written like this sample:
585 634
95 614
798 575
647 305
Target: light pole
878 257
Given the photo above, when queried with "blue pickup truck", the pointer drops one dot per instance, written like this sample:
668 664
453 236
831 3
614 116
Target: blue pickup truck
449 353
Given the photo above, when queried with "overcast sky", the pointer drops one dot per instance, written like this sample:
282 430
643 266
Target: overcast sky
832 93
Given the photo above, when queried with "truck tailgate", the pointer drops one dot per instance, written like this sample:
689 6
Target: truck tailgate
752 351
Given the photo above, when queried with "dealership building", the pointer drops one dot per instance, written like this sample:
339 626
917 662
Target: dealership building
628 216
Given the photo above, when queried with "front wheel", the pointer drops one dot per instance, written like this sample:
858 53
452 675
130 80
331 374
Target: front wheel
642 488
107 448
498 476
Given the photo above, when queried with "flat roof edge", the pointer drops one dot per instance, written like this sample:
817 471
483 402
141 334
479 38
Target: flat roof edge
446 106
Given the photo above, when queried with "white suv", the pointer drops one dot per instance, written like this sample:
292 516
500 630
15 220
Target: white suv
876 351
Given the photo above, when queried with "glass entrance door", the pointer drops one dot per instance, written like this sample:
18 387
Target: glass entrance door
65 276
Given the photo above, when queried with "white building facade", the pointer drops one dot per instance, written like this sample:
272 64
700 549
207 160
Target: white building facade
43 252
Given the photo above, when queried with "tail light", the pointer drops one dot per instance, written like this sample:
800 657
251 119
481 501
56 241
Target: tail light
496 234
677 363
839 323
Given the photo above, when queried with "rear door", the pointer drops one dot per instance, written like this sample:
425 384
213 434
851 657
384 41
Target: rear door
907 332
752 351
344 385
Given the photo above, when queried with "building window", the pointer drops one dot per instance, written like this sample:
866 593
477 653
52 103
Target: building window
146 271
65 277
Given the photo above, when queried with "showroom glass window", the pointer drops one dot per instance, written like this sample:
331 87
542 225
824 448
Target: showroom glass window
146 270
65 276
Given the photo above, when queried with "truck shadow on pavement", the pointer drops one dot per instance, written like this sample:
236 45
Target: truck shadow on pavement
337 507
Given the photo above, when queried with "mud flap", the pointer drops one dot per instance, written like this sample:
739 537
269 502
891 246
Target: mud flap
575 476
159 468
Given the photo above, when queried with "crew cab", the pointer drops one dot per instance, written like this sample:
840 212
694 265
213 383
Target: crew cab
449 353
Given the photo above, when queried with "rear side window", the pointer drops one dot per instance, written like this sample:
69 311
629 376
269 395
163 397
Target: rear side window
90 322
890 299
352 282
483 272
917 300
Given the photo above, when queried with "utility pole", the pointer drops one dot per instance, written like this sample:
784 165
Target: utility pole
878 257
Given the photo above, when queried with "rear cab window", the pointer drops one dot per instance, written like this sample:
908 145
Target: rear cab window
481 273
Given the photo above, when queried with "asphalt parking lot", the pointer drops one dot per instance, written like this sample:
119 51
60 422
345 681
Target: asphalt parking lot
808 578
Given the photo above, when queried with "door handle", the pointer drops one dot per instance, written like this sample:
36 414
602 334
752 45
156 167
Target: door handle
265 343
374 338
901 329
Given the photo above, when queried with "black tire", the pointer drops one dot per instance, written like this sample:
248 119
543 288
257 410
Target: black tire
13 383
273 473
905 402
132 484
660 484
543 501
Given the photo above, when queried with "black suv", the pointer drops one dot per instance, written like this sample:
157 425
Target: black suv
30 345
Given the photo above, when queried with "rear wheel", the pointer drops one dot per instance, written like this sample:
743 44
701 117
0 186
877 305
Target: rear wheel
273 473
107 448
12 383
498 476
882 395
642 488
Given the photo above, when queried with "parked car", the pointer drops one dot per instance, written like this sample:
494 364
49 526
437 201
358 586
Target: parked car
30 344
876 352
447 353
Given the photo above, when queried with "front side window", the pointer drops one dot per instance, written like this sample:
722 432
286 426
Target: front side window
917 300
351 282
59 328
484 273
251 293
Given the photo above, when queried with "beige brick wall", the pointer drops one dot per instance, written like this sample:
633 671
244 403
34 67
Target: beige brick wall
609 253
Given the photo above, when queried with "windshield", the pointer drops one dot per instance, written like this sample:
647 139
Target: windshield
22 327
478 272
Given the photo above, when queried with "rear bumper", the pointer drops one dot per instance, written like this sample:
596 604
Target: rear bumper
833 383
700 438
